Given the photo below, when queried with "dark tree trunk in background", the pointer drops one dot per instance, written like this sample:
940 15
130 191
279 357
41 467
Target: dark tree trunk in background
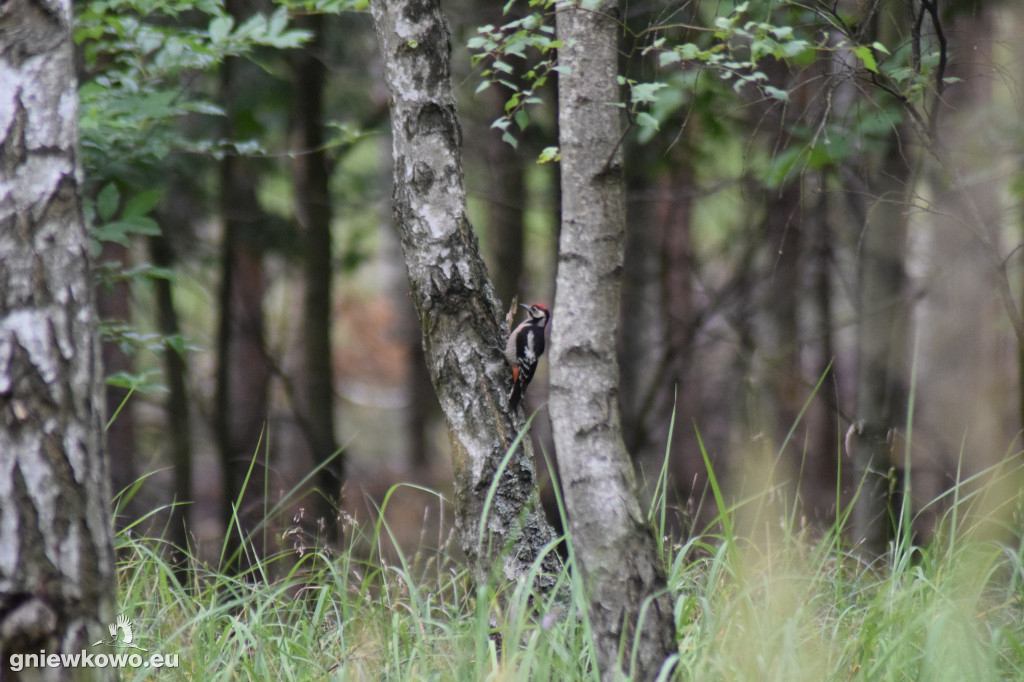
506 196
1017 40
459 314
57 584
421 395
780 347
311 176
640 341
179 427
614 545
243 369
113 305
826 450
883 310
966 344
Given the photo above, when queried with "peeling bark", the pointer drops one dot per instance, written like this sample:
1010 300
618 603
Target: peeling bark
56 565
614 545
457 308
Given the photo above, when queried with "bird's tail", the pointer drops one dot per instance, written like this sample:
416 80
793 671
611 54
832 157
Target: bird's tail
515 397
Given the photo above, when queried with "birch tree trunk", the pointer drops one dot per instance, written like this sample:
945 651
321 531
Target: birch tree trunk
614 545
454 299
56 563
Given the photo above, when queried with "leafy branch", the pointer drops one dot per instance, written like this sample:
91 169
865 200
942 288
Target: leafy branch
530 36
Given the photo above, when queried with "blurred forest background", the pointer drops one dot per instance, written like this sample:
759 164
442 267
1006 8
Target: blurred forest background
824 223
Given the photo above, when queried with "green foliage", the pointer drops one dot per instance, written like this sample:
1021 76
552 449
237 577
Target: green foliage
529 40
734 48
740 45
146 64
143 59
140 56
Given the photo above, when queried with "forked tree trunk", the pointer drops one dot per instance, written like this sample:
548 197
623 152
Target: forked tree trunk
455 301
56 563
614 544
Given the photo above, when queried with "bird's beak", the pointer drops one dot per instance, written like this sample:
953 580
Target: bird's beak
523 305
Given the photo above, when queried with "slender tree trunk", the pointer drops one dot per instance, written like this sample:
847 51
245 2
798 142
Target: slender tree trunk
311 174
883 313
782 229
882 320
243 370
614 545
113 305
179 428
57 582
242 376
822 465
640 341
421 394
455 301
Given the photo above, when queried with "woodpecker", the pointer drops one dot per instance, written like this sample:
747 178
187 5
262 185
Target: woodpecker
524 348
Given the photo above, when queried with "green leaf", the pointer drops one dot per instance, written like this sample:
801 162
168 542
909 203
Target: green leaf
645 92
866 57
549 154
645 120
666 58
776 93
220 28
795 48
137 382
176 342
107 202
522 118
278 21
143 202
120 231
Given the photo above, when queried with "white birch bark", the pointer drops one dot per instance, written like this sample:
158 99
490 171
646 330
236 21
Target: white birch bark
453 296
56 558
614 545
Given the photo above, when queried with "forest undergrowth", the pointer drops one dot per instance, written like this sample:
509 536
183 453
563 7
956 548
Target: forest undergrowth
758 595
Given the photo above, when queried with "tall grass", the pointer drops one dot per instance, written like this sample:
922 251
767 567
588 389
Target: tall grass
758 596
